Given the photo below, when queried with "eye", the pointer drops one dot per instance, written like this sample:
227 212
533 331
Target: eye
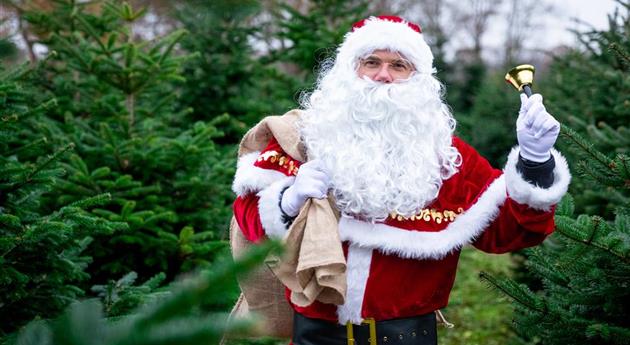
371 63
401 66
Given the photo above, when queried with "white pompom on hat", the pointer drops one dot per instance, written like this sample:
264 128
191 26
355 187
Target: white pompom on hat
386 33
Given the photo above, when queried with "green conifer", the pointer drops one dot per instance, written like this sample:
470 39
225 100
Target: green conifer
228 76
185 315
584 268
117 101
42 252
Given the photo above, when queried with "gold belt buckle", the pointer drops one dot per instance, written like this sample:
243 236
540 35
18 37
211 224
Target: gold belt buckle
367 321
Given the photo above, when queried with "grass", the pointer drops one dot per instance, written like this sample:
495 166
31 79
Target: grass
480 315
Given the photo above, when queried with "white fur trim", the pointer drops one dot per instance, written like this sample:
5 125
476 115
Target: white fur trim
531 195
269 208
250 178
357 272
383 34
424 244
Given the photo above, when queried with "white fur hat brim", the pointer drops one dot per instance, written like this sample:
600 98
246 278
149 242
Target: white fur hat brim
383 34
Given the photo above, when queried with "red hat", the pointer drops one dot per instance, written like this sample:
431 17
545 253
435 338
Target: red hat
395 19
390 33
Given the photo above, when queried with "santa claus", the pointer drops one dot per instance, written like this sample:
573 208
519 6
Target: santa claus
380 146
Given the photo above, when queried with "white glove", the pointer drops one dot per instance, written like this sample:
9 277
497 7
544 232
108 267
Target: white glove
311 182
536 129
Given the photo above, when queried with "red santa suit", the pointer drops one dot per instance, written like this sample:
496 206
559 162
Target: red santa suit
406 267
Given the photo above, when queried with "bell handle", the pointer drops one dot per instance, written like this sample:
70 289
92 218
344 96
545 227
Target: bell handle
527 90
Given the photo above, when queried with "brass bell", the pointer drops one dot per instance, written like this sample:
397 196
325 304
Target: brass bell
522 78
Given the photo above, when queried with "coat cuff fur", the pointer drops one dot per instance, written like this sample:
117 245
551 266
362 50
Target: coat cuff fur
269 208
536 197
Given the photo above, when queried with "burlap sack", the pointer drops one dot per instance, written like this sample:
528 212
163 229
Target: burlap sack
262 295
312 266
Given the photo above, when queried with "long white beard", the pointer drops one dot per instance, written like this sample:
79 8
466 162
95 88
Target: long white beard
386 147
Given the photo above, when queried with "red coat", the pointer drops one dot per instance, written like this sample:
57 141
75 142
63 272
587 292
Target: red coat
406 267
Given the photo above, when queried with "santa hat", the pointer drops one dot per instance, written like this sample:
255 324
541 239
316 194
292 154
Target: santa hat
387 33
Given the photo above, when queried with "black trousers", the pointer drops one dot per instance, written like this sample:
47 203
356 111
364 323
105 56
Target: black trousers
418 330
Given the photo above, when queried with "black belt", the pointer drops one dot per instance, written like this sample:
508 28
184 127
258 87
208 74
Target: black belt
418 330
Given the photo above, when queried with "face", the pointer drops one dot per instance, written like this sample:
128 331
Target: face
385 67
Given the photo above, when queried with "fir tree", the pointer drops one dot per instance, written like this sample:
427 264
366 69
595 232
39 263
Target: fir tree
587 89
310 38
42 253
255 61
8 50
186 315
497 108
229 75
584 268
120 297
118 104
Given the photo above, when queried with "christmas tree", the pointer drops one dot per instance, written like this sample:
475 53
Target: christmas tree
255 59
42 252
228 75
105 181
497 107
584 268
185 315
117 103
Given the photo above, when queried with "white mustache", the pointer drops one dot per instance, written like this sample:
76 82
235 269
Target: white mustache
377 98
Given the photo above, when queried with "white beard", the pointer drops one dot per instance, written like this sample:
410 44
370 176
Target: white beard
386 147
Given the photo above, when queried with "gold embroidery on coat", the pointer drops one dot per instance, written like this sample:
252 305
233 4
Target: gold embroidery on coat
283 161
266 155
431 215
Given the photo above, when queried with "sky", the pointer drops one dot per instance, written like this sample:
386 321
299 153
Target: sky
591 11
554 27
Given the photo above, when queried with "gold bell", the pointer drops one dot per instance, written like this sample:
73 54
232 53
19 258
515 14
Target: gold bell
522 78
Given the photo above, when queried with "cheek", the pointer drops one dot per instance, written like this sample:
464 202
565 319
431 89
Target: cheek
401 75
361 72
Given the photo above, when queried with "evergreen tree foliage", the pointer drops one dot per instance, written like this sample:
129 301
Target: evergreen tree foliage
584 268
312 37
464 82
255 62
120 297
185 315
228 76
118 104
42 252
496 106
589 85
8 50
309 38
588 89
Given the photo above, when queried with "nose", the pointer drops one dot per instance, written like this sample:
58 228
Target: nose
383 75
